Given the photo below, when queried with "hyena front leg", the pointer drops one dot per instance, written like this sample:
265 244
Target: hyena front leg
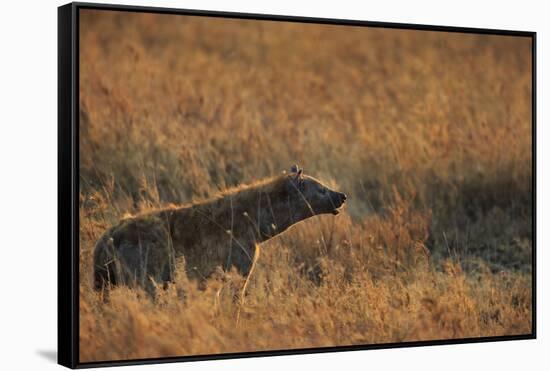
243 258
245 285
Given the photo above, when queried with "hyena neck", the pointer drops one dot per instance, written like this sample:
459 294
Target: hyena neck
256 213
252 213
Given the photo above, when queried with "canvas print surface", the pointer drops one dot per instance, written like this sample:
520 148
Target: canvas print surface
253 185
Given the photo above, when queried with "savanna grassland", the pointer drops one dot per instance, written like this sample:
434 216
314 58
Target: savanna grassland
428 133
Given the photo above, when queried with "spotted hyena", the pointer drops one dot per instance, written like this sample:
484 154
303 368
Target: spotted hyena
220 232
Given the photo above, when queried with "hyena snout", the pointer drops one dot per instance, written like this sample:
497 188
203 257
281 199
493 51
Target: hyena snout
338 200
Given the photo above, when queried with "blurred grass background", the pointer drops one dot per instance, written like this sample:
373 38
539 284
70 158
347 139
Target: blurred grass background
429 134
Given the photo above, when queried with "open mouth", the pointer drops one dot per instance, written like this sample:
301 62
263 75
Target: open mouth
337 211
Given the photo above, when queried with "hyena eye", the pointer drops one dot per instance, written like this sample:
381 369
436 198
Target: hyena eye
322 191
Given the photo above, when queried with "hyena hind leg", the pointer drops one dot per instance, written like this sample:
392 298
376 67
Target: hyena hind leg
104 278
154 280
151 288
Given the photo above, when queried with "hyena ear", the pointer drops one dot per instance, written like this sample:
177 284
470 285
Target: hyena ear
298 179
298 175
294 169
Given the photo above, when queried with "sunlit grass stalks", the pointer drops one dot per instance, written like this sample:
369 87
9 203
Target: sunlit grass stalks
429 135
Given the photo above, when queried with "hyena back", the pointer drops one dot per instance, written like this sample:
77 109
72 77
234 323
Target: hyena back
220 232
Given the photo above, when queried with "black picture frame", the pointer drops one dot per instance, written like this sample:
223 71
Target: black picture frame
68 181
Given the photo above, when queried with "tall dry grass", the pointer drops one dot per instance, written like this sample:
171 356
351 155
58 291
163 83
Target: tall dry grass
428 133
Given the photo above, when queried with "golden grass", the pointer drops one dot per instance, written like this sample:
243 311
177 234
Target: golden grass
428 133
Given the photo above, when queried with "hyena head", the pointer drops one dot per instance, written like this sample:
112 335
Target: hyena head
309 197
